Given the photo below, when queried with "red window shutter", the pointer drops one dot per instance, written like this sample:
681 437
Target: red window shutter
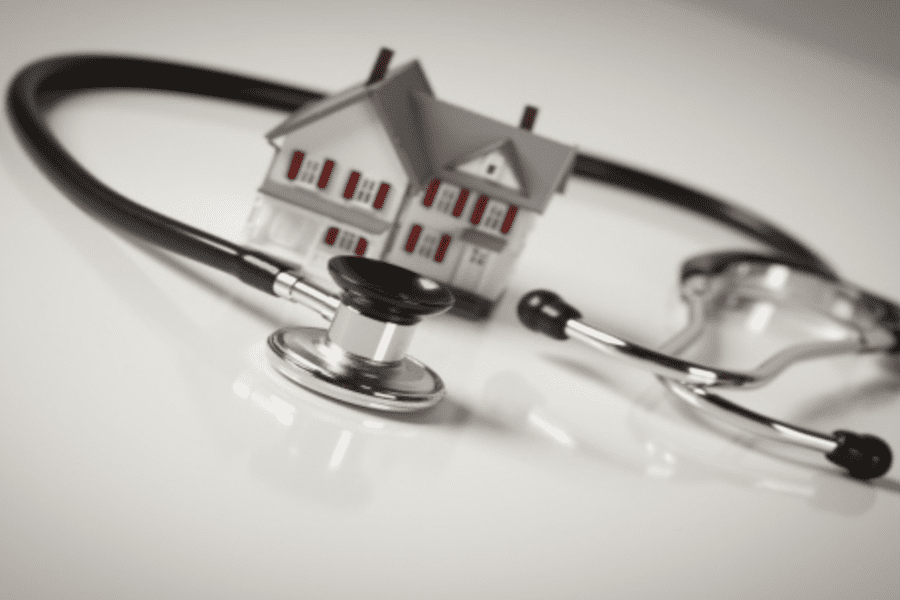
351 185
413 238
461 202
382 194
331 236
326 174
508 221
295 165
432 191
361 246
479 209
442 248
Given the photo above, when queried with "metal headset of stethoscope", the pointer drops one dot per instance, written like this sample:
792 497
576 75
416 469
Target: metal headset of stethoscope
361 359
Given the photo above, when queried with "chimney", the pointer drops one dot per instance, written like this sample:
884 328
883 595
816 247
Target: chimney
381 65
528 117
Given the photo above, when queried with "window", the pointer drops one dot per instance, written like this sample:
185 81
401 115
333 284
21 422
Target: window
346 240
493 216
362 189
365 191
446 198
472 268
308 171
478 257
495 165
428 245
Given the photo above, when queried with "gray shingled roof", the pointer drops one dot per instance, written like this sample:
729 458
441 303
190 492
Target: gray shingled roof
392 101
506 147
454 135
433 137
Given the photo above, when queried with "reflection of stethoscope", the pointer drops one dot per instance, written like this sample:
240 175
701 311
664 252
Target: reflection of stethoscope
361 359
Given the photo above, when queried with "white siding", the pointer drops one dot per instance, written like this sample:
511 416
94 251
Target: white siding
354 138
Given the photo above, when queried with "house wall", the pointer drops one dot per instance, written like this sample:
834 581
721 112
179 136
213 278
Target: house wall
286 220
468 266
354 138
497 273
306 238
296 219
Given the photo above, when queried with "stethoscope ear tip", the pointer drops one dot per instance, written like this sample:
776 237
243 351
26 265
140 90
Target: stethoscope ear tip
545 312
864 456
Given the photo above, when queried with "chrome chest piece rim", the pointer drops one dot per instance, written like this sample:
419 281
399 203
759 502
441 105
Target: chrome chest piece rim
361 359
307 357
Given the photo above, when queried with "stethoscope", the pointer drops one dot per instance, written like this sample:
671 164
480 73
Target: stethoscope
361 358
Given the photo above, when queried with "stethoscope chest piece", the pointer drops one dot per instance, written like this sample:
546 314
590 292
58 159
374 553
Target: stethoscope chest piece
361 358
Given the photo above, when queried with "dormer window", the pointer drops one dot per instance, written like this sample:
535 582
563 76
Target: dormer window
497 163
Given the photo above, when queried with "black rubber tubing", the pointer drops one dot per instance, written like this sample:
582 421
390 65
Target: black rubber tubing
39 85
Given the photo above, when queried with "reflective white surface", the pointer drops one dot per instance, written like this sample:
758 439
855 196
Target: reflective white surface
147 450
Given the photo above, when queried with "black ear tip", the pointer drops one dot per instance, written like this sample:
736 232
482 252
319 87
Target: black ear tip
530 305
864 456
546 312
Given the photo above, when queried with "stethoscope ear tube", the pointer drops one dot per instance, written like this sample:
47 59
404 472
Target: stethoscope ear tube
361 359
714 280
863 456
36 87
39 85
735 217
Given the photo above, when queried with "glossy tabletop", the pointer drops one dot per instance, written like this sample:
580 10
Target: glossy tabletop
148 450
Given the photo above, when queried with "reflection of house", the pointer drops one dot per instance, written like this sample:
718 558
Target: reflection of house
386 170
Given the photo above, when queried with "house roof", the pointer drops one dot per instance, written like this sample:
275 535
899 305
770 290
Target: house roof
454 135
391 99
508 151
433 137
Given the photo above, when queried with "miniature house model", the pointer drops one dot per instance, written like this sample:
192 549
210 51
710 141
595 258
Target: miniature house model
386 170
